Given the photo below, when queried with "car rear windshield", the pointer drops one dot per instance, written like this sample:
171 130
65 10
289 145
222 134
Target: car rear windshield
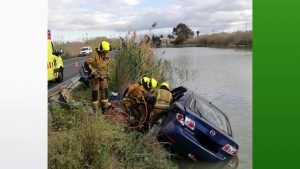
209 113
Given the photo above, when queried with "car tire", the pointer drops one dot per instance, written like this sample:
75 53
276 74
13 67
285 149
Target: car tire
60 76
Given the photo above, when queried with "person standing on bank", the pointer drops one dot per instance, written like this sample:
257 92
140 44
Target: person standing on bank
97 64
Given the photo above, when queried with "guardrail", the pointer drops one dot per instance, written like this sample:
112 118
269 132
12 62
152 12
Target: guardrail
70 84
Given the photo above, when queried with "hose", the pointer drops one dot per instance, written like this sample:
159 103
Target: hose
112 115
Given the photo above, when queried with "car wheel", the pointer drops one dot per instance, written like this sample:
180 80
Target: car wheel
60 75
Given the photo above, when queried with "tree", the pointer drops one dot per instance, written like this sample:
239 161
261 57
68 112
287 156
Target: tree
170 36
183 32
156 40
198 32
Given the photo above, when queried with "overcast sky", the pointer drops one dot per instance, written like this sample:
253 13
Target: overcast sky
78 19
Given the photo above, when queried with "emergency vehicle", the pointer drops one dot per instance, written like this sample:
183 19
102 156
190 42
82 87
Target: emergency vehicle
55 62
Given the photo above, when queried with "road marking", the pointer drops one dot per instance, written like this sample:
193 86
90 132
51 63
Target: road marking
73 63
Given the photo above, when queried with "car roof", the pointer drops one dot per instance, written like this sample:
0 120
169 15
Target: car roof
189 95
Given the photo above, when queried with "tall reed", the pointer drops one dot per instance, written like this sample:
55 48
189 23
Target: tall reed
137 59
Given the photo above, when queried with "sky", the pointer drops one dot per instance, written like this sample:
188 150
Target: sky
73 20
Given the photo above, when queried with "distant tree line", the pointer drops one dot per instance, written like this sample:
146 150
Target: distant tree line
183 35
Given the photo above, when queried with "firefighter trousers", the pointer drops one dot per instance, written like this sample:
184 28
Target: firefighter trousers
135 110
99 90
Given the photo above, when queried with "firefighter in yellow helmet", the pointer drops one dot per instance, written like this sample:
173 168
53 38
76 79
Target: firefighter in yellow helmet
163 100
152 85
97 64
135 97
143 81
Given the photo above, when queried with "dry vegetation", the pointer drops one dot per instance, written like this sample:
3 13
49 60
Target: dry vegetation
135 60
72 49
236 39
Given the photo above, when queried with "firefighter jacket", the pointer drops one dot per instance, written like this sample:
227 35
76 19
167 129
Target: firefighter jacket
163 99
136 93
97 62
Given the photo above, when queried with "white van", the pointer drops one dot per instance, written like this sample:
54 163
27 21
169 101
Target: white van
85 51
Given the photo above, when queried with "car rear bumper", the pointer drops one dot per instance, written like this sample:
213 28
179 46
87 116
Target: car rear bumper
180 136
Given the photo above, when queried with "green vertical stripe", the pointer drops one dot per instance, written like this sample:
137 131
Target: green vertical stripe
276 84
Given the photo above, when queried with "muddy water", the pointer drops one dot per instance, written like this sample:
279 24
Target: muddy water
212 73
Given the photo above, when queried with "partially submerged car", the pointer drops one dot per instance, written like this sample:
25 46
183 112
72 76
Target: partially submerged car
197 128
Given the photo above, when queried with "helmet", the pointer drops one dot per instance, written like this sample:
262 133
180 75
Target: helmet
104 46
145 81
165 85
153 83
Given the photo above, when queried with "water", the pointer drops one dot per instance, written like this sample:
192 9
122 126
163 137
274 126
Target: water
211 73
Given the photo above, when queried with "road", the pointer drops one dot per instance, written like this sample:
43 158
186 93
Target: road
71 68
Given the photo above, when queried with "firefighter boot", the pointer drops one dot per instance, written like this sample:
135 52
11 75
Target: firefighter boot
104 105
95 105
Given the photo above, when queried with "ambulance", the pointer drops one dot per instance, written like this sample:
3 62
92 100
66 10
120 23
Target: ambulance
55 62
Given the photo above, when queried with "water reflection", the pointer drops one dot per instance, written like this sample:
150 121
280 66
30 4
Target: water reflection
185 163
211 73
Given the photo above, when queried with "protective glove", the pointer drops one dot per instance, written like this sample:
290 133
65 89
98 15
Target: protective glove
94 72
97 76
107 76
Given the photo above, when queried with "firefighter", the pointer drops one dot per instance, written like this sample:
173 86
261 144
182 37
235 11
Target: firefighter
144 81
135 99
162 103
97 64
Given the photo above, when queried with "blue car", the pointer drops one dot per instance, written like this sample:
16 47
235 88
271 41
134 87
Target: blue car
197 128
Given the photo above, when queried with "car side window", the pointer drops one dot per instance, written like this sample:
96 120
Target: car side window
193 106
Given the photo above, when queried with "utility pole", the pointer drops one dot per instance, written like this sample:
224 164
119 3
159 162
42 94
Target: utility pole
69 47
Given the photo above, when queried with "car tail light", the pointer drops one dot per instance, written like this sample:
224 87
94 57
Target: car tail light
230 150
190 123
180 118
185 121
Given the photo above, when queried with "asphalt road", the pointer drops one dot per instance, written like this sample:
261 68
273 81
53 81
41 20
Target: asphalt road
71 68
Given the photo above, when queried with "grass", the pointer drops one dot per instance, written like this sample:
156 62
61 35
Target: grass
79 140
